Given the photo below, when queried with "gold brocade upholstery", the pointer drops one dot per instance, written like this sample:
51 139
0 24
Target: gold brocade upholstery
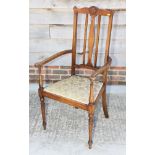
75 87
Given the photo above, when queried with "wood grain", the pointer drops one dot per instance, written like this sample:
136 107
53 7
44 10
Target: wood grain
55 45
39 32
85 38
113 4
108 39
74 42
91 40
118 31
54 16
97 40
66 60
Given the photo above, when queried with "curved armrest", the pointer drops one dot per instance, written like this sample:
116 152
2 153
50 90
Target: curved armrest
101 70
39 64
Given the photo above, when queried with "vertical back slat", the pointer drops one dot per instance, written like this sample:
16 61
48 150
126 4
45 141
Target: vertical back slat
74 42
108 38
97 40
85 38
92 37
91 40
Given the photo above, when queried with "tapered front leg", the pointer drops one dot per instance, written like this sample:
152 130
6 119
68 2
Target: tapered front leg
42 108
104 104
91 124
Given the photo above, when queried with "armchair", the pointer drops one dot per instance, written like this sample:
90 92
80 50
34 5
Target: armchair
77 91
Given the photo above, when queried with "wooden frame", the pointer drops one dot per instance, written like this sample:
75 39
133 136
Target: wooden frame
92 12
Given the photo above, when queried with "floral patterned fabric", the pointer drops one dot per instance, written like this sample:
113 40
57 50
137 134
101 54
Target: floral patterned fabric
75 87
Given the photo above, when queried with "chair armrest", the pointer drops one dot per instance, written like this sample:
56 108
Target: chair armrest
40 64
93 77
101 70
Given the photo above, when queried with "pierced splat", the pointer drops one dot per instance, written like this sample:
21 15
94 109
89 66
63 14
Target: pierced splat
97 40
85 38
91 40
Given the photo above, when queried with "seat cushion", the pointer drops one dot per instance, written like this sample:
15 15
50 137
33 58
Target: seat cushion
75 87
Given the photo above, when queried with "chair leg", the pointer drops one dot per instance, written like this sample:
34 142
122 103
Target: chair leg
104 104
91 123
43 110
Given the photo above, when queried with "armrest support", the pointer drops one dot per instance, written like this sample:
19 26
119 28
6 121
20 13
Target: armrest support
101 70
93 77
40 64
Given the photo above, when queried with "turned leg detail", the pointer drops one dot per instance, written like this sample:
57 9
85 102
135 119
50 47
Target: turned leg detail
104 104
42 109
91 124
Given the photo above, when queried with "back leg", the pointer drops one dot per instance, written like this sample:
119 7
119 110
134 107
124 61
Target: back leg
43 112
104 104
91 124
42 109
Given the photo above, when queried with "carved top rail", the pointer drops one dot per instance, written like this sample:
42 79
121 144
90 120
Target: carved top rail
93 11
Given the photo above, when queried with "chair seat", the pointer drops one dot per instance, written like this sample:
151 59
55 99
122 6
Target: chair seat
76 88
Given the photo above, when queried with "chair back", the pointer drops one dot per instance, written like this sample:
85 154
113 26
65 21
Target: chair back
92 41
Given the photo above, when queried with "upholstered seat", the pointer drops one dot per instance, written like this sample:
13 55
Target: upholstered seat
75 87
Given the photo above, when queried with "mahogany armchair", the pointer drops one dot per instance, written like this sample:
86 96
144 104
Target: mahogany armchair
78 91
